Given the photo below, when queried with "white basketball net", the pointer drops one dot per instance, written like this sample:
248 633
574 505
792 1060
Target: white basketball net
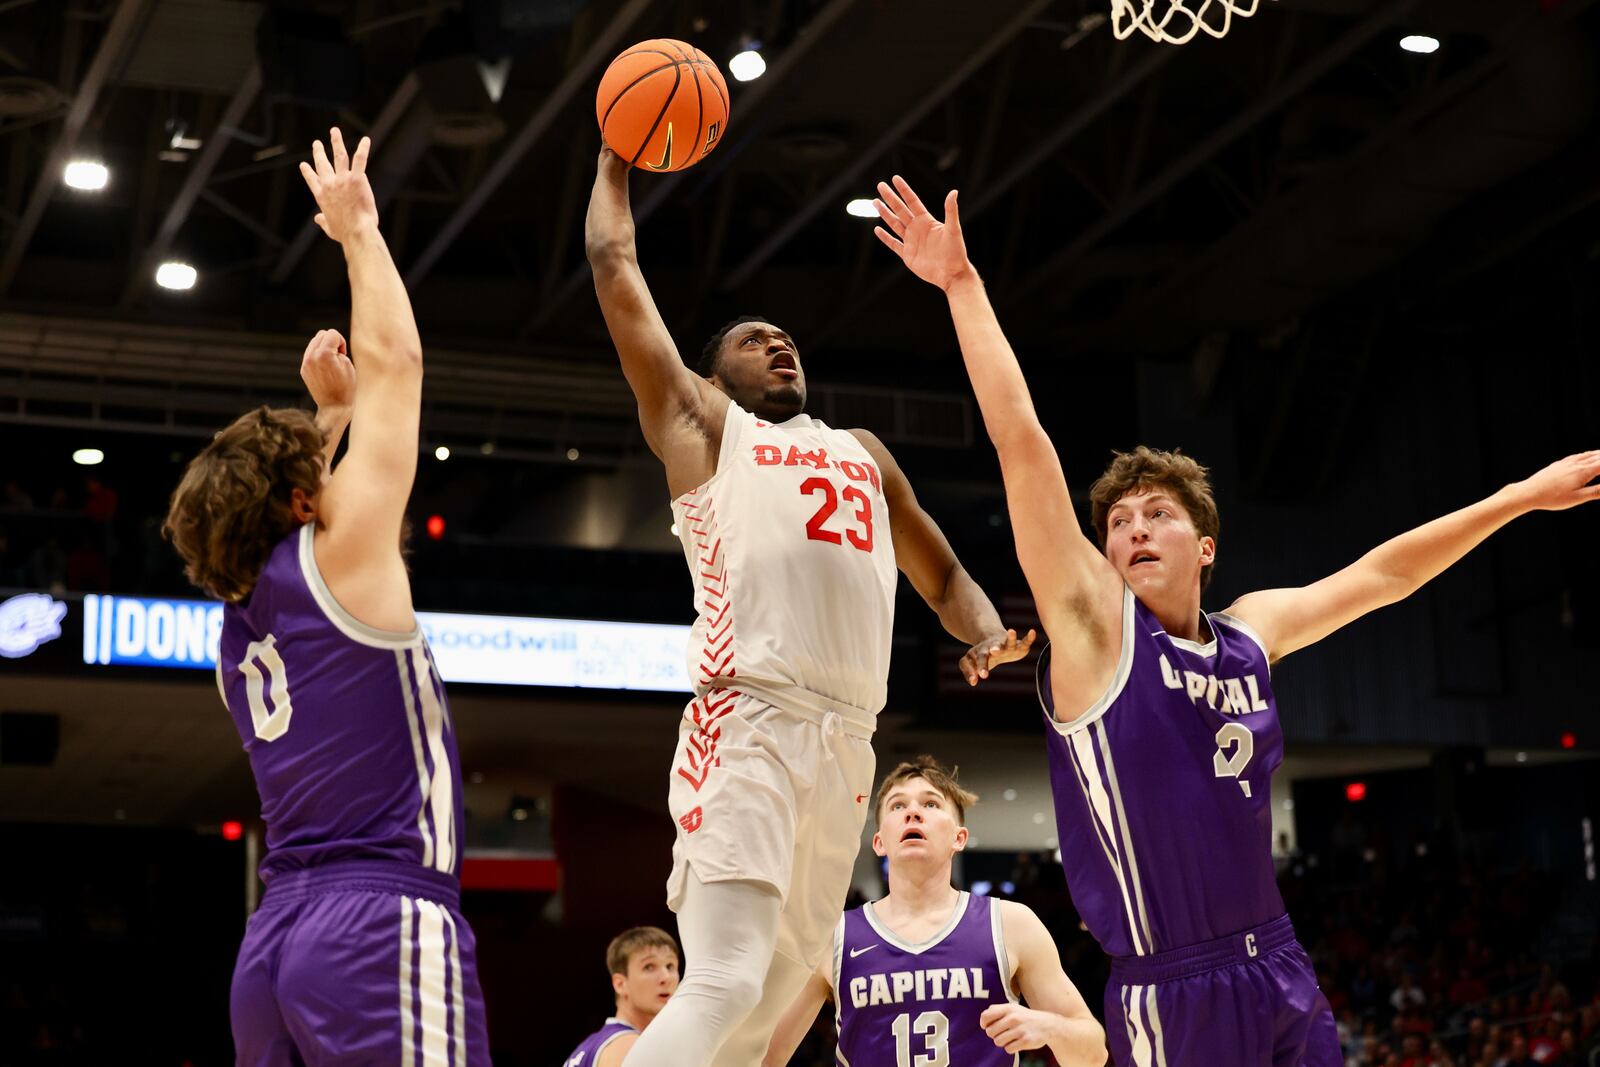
1177 21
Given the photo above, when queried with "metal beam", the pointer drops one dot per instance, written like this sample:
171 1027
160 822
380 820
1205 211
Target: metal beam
193 182
1155 57
1304 77
120 33
582 73
850 176
749 100
387 174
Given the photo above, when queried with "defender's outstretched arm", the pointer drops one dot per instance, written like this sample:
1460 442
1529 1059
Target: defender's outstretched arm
1291 619
1078 593
362 509
668 393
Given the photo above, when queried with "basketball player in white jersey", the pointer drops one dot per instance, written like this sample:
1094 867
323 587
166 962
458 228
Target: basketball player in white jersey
792 530
930 974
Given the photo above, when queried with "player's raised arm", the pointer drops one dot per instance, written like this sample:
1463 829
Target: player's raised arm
1290 619
1056 1015
925 555
361 511
797 1019
670 395
1077 591
330 378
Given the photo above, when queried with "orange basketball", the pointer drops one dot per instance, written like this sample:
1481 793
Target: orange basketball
662 105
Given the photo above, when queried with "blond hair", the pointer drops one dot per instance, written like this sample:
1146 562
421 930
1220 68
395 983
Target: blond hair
933 772
1146 469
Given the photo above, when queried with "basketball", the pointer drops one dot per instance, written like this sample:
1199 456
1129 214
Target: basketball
662 105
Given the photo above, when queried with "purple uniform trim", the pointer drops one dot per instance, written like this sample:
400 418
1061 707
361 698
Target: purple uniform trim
900 1003
589 1049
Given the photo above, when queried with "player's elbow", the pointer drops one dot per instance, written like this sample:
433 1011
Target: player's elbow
610 247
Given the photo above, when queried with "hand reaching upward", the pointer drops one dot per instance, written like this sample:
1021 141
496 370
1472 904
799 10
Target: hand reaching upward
935 251
341 188
329 375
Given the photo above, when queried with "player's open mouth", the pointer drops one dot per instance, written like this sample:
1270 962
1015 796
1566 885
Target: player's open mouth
783 365
912 835
1144 557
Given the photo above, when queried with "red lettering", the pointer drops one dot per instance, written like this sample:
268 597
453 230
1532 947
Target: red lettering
817 460
853 471
768 455
863 515
830 504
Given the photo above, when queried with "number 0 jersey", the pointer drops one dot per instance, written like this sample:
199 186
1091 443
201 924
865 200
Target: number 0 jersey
1163 788
901 1004
793 565
346 726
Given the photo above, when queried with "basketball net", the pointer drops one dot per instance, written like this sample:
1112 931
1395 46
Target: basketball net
1177 21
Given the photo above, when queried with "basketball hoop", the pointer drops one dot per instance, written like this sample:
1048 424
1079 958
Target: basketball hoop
1177 21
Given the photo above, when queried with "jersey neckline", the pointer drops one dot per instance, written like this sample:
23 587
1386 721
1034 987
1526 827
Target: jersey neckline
957 913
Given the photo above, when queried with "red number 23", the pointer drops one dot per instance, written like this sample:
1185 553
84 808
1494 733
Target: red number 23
830 504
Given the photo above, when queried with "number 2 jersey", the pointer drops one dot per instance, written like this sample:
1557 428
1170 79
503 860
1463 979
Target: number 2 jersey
1163 788
346 726
901 1004
793 565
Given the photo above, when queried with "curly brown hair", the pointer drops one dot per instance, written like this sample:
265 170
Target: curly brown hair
234 503
1145 469
934 773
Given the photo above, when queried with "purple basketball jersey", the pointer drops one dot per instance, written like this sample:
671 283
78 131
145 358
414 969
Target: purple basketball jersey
1163 788
901 1003
346 726
589 1049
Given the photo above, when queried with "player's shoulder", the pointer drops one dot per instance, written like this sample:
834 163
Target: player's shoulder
616 1049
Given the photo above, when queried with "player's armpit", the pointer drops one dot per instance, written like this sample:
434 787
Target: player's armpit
616 1050
797 1019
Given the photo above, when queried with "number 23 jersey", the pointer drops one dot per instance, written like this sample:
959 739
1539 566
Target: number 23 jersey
1163 788
793 565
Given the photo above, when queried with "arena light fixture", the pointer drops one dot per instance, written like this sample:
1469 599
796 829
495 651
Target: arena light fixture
88 457
88 175
441 453
175 275
573 454
1420 43
747 66
232 830
862 209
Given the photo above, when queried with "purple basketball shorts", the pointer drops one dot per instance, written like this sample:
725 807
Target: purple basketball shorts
1246 1000
359 962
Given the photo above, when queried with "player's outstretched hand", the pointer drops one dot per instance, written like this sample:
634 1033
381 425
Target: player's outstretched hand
935 251
1565 483
993 651
326 369
340 186
1016 1029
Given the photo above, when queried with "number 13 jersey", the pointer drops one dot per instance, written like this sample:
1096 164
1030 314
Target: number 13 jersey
793 564
1163 788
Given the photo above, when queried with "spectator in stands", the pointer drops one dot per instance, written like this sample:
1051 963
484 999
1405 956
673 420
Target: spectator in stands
1406 995
1467 989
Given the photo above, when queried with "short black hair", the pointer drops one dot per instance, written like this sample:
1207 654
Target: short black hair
708 355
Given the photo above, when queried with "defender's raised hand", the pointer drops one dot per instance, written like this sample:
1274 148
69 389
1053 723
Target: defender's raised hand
340 186
935 251
1565 483
326 369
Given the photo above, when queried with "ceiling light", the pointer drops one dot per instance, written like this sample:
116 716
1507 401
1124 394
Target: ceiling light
1420 44
573 454
674 529
441 453
862 209
173 275
86 174
747 66
88 457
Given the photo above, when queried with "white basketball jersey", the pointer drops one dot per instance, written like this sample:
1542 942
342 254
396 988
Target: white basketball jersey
793 565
